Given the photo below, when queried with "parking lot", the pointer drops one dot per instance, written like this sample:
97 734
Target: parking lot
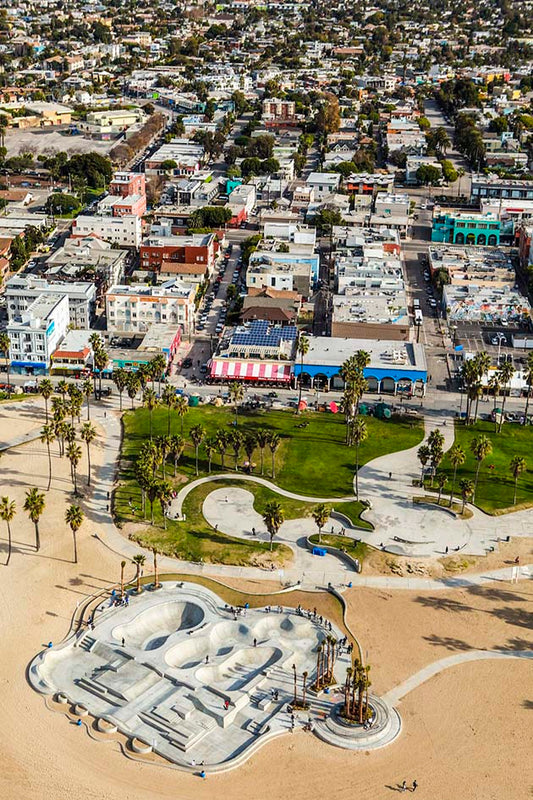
50 141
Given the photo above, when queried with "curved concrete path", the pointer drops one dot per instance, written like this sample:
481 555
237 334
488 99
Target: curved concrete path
325 570
423 675
408 529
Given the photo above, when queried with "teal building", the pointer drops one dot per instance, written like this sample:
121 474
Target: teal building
466 229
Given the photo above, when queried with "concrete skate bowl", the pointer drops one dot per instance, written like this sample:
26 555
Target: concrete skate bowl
239 668
152 627
220 641
296 633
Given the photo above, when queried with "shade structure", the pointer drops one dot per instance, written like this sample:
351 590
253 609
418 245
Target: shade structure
228 369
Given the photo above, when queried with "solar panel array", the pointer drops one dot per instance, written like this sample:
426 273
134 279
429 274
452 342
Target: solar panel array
261 334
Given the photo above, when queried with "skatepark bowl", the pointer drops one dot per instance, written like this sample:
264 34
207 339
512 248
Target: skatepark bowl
185 676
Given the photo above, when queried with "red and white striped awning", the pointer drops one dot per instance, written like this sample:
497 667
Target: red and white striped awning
250 370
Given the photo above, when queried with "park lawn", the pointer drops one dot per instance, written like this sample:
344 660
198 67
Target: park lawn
495 490
354 548
310 461
194 539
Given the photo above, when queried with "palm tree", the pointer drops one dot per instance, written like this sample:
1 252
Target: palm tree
262 436
457 458
8 509
182 407
441 479
320 515
47 437
236 443
152 494
122 566
175 449
467 487
210 447
150 402
5 344
74 456
169 399
506 373
273 519
158 365
34 504
62 388
163 443
197 434
495 385
302 350
250 443
132 386
274 441
46 389
164 495
120 379
100 359
423 455
236 394
138 560
88 435
156 571
222 440
359 433
481 447
74 517
517 466
528 374
86 389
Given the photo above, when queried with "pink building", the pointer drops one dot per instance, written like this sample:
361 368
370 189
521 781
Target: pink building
131 187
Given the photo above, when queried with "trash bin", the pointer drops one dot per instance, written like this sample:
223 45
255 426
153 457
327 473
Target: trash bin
319 551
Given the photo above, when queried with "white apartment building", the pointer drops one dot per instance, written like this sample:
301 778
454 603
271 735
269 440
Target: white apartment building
324 183
36 333
138 306
22 290
124 231
290 232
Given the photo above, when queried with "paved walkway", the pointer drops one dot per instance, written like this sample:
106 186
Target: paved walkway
423 675
313 572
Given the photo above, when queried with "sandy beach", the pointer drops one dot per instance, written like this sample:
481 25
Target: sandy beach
467 731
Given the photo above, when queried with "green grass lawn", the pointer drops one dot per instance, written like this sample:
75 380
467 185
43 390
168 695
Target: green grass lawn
495 489
195 539
310 461
354 549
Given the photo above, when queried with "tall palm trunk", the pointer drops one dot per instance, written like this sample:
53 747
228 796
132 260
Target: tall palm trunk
475 483
88 464
38 538
88 408
9 544
49 466
357 471
453 485
75 547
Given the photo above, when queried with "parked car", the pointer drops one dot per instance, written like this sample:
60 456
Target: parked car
186 363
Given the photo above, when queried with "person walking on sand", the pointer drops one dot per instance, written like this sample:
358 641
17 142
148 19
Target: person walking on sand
415 785
403 787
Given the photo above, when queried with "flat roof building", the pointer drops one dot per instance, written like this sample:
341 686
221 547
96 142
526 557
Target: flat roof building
394 366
